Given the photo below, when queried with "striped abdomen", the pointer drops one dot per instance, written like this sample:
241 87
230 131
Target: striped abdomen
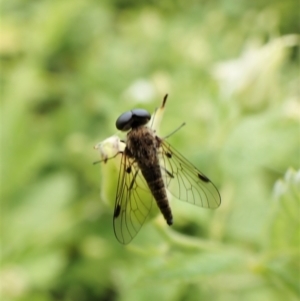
155 182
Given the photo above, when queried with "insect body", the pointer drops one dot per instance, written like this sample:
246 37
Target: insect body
149 167
142 146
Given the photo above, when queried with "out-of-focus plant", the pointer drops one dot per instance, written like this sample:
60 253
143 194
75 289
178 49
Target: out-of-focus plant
70 68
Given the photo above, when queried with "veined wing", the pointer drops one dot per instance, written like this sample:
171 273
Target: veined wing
185 181
133 201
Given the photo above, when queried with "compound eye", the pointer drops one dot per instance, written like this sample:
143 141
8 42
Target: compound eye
140 116
123 123
132 119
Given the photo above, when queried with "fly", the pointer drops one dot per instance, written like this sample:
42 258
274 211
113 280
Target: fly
149 167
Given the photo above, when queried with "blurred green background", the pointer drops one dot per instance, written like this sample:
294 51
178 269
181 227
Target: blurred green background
70 68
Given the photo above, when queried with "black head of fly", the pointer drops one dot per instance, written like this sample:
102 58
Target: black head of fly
132 119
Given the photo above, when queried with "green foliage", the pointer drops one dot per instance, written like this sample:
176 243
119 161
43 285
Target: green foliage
69 68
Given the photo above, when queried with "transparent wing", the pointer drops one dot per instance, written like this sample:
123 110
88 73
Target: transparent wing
185 181
133 201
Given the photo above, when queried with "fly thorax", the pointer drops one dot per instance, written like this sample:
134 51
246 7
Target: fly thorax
142 145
